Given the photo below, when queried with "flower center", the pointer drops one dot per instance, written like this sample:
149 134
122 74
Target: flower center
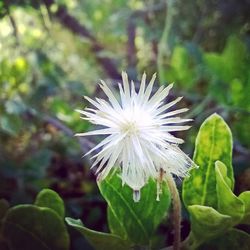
131 128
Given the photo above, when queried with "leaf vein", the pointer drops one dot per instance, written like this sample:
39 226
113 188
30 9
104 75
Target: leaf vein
129 209
209 164
28 232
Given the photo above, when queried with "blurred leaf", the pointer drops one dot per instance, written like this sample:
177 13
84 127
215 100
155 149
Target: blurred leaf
11 124
36 166
228 202
233 239
99 240
234 59
134 221
215 64
229 72
50 199
231 63
213 142
32 227
15 106
241 128
181 67
207 223
245 197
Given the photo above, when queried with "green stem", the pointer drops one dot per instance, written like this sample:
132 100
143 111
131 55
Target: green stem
176 211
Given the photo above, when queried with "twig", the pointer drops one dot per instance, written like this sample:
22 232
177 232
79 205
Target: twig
176 211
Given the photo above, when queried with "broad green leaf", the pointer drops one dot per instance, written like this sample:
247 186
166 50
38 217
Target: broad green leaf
99 240
33 227
233 239
245 197
115 225
134 221
207 223
228 202
49 198
213 142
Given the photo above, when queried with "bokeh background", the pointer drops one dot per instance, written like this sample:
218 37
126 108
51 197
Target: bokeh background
52 52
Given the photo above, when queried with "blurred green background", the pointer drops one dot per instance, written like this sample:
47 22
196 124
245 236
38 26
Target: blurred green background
52 52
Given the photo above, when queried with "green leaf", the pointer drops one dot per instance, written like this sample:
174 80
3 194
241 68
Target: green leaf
233 239
207 223
99 240
33 227
245 197
213 142
228 202
115 225
49 198
134 221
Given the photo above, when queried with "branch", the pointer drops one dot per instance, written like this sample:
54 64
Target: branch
85 144
75 27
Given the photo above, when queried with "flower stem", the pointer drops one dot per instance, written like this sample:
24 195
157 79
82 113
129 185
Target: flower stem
176 211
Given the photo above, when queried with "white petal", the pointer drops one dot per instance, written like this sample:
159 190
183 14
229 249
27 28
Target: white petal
173 120
175 112
160 95
142 87
112 160
126 85
102 143
167 106
174 128
104 131
149 88
110 95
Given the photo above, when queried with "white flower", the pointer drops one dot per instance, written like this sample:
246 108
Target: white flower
138 134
